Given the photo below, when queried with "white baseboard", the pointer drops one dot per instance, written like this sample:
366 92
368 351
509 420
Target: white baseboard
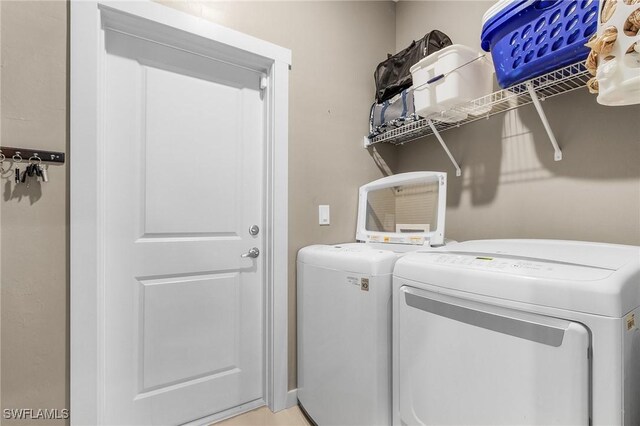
232 412
292 398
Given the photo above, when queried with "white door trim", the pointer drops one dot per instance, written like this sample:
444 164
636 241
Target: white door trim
167 26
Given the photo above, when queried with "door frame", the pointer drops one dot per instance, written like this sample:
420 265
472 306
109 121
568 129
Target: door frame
161 24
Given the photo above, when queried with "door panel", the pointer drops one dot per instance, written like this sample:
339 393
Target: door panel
190 319
462 362
184 312
191 125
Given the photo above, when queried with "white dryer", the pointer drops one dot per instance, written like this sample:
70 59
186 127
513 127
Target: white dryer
344 300
517 332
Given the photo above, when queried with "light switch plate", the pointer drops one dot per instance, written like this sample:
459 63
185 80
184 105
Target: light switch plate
323 214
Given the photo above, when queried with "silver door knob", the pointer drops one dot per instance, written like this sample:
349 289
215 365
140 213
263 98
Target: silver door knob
253 253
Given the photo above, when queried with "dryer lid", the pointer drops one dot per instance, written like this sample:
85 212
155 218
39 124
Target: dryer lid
407 208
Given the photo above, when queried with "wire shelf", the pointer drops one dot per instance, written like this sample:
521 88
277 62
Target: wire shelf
545 86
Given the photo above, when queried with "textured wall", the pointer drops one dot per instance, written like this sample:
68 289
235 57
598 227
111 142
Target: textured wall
511 187
33 227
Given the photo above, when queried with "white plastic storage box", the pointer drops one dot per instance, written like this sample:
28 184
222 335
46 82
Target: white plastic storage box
463 81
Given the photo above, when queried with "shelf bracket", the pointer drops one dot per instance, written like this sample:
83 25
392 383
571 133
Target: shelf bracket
557 153
444 146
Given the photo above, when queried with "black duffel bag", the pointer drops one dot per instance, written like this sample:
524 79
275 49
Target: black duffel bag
393 76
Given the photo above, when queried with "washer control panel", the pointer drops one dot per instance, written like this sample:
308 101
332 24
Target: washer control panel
482 262
518 265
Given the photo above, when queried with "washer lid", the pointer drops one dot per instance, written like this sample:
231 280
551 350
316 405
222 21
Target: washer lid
596 278
407 208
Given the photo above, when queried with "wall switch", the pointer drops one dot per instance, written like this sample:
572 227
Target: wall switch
323 215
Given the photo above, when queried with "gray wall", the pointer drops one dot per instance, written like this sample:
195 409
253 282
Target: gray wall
511 187
33 226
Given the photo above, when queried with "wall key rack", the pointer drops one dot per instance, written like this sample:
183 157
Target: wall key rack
26 153
32 160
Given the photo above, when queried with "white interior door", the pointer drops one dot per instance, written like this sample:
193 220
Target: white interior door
466 363
184 137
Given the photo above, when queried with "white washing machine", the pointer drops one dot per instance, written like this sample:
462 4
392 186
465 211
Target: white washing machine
344 300
517 332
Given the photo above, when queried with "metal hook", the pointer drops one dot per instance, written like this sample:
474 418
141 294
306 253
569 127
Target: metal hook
19 159
37 160
2 158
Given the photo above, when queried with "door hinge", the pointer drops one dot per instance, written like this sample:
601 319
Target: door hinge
263 83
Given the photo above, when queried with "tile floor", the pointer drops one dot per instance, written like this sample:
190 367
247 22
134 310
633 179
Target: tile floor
264 417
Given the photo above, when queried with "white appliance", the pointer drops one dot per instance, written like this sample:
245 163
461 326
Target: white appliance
517 332
344 300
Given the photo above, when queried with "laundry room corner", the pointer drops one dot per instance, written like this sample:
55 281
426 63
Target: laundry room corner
182 177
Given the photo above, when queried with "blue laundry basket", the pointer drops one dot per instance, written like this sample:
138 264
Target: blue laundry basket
528 38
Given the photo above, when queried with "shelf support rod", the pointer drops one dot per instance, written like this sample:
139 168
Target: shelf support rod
444 146
557 154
